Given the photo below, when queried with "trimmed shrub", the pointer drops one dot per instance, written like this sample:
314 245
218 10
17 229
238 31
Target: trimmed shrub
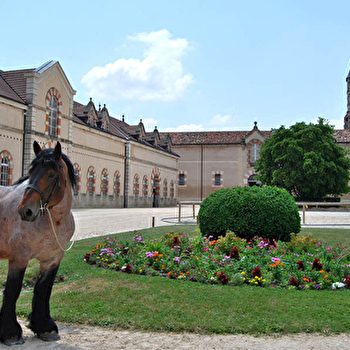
268 212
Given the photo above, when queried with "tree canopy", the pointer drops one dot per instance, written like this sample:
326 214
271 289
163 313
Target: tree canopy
306 161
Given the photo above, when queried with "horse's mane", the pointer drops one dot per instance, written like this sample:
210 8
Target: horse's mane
47 157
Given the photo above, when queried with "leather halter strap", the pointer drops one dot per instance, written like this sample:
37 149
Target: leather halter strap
44 202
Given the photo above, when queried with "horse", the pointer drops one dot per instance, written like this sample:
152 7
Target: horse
36 222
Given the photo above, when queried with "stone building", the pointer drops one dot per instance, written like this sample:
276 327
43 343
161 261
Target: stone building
116 164
216 159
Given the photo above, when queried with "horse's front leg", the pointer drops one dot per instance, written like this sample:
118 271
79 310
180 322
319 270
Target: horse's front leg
10 330
40 321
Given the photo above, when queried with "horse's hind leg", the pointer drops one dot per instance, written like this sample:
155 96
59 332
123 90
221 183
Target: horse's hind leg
10 330
40 321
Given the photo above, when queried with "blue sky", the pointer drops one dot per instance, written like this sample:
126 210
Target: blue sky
191 65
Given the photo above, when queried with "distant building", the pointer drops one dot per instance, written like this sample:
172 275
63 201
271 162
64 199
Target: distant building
116 164
210 160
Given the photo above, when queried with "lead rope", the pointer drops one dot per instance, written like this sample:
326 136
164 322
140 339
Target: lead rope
55 234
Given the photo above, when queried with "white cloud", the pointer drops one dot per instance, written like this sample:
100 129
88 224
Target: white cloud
221 120
157 76
185 127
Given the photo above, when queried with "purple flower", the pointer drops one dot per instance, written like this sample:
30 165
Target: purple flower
177 259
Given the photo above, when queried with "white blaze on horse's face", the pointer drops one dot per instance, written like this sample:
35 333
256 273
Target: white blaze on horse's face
44 188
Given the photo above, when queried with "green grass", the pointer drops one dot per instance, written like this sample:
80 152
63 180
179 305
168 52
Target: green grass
96 296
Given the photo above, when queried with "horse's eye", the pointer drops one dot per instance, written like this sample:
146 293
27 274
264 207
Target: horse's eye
51 175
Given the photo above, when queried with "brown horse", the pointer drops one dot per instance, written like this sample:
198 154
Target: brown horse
28 233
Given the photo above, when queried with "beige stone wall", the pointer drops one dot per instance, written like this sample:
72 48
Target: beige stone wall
200 163
11 134
93 148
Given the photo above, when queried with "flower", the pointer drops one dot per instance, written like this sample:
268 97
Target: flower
256 272
338 285
316 265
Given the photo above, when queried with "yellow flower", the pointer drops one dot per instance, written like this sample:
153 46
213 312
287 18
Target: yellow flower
141 270
243 273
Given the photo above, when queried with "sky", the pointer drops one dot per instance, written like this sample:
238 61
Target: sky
191 65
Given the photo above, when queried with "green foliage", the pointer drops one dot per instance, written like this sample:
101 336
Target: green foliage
267 212
300 243
225 243
306 161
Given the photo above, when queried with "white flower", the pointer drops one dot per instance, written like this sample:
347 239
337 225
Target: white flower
338 285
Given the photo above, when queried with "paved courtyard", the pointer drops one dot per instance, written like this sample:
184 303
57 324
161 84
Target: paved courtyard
98 222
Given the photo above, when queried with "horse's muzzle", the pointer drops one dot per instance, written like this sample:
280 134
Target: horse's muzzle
27 213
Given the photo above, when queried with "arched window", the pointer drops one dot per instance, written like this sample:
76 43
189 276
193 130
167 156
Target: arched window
172 189
117 184
4 171
145 186
53 116
136 185
91 181
104 182
253 151
165 188
77 174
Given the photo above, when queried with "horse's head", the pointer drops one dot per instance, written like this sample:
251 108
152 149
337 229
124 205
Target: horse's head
46 182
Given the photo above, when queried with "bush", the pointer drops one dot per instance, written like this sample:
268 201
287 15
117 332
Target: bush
268 212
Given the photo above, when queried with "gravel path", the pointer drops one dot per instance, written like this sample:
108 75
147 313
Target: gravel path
83 337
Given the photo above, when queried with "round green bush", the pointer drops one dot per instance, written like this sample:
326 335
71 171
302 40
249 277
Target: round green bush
268 212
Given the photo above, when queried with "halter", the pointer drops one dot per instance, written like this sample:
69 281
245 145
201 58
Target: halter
52 187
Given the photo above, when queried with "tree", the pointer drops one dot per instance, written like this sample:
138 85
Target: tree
306 161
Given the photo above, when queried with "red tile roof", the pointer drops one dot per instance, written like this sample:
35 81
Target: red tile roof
17 81
7 91
211 137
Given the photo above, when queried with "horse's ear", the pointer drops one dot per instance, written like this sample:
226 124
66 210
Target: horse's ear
37 148
58 151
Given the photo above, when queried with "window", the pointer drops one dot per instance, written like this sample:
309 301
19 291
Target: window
172 189
104 185
75 187
181 179
77 174
53 116
91 181
145 186
104 182
254 155
117 184
165 188
136 185
217 181
4 172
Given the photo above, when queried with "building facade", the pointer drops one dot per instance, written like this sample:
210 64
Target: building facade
116 164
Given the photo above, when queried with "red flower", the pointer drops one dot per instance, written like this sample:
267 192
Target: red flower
293 281
256 272
300 265
347 281
317 265
234 253
176 241
127 268
223 278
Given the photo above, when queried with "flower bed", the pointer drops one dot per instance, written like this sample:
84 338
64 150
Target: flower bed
302 263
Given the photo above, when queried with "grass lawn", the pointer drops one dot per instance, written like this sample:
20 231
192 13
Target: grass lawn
97 296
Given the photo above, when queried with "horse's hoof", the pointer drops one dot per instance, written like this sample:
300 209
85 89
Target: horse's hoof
13 341
49 336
